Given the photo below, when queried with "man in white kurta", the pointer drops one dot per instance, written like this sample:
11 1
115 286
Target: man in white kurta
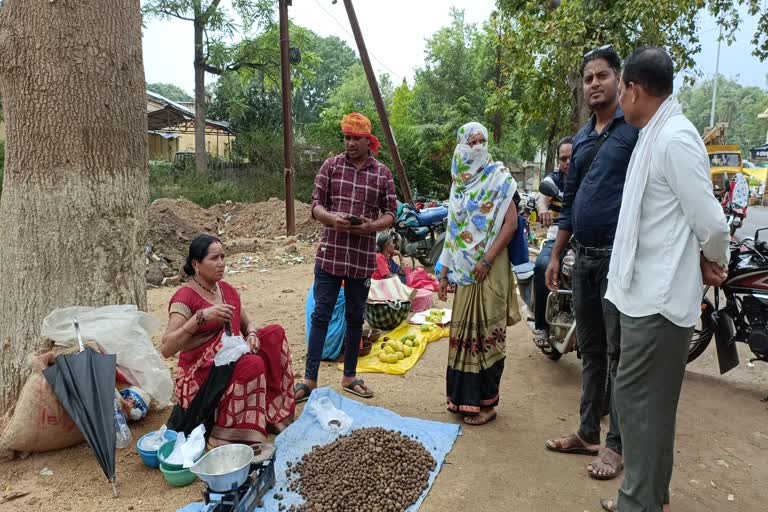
671 238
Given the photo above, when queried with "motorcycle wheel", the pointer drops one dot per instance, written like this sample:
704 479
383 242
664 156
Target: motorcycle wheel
552 353
703 333
434 254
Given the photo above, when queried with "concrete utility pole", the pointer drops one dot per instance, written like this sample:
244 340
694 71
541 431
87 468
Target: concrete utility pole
285 68
717 79
373 84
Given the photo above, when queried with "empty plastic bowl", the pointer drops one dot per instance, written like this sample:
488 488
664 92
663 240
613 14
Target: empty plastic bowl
149 457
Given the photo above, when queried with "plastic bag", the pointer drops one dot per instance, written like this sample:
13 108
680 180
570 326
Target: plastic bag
418 278
135 402
154 441
187 450
176 457
232 347
122 330
330 418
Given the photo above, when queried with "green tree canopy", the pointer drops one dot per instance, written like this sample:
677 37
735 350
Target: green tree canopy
171 91
548 40
737 105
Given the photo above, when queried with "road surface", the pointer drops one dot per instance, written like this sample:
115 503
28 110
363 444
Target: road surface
757 217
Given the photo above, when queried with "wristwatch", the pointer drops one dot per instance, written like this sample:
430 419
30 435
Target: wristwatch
485 263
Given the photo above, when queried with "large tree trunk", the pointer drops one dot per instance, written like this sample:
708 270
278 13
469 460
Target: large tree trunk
580 111
549 161
74 202
201 156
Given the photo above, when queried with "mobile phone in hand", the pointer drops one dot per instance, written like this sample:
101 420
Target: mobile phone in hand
355 221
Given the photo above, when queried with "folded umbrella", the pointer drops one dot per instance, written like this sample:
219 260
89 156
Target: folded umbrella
85 385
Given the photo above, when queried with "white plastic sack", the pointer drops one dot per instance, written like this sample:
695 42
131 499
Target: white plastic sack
122 330
232 347
330 418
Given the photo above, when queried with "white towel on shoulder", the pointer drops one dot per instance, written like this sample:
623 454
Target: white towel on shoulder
627 230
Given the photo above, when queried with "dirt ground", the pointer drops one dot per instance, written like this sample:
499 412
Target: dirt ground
722 438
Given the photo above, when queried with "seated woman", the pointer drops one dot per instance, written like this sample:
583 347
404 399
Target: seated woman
385 261
242 400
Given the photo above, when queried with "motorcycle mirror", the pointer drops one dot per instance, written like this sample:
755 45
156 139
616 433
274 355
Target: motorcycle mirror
548 188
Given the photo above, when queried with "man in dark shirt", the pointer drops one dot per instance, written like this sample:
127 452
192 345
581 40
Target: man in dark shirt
590 212
548 209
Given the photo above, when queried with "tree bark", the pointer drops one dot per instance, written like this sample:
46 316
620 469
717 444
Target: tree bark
550 155
580 111
201 155
74 201
497 119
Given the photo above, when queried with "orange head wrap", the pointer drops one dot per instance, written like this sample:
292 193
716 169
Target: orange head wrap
357 125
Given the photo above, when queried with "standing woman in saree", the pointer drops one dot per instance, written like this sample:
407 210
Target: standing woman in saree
239 402
482 219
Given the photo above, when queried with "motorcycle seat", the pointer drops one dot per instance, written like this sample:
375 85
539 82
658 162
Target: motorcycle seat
430 216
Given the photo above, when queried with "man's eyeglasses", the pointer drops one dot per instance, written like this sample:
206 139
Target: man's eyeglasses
603 48
564 158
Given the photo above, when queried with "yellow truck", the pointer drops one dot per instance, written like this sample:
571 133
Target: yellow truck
724 164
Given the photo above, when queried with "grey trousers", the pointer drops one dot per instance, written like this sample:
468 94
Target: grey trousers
654 352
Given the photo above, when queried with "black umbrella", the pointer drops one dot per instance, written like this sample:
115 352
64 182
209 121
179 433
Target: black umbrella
85 385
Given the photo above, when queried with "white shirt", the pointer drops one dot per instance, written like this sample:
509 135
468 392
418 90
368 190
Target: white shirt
679 216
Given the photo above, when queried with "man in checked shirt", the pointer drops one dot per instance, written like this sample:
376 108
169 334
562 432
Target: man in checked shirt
354 198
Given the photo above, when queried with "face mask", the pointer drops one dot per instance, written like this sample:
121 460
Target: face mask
476 153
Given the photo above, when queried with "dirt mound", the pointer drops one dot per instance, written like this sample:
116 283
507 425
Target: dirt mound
173 223
254 228
265 220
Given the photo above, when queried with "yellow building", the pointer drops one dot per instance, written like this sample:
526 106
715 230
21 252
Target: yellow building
171 128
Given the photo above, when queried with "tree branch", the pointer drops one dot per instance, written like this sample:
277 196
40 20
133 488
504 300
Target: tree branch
214 70
174 15
210 10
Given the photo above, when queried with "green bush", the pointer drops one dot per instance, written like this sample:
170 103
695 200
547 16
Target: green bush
243 183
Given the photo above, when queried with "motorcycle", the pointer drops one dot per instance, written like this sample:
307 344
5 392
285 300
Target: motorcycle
744 316
560 312
420 232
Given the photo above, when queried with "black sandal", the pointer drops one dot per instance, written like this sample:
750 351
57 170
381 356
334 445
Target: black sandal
350 388
303 388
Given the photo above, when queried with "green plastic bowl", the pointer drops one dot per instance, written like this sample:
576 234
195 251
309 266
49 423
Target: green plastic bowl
177 478
165 451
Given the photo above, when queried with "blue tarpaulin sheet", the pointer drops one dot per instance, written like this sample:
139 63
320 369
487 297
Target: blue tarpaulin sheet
299 438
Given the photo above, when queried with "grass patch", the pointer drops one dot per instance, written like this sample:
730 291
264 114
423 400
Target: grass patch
244 184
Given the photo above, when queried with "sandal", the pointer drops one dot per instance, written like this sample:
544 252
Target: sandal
609 504
306 391
610 469
555 445
540 339
350 388
476 419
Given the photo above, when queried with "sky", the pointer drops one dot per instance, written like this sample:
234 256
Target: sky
395 33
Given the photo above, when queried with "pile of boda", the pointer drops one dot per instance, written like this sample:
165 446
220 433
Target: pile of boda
372 469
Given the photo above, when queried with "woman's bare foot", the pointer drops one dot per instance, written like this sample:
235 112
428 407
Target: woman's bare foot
278 428
486 414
